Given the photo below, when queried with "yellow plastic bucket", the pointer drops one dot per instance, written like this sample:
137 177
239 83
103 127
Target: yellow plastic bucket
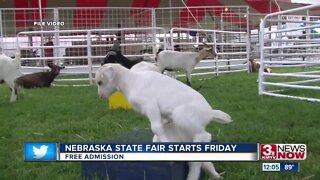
118 100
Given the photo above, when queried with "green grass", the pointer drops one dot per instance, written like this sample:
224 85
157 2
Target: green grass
75 114
77 76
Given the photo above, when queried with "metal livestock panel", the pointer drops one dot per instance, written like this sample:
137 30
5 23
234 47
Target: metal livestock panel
82 51
15 20
290 45
232 49
70 47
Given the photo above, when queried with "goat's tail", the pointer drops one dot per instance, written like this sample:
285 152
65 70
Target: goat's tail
17 59
220 117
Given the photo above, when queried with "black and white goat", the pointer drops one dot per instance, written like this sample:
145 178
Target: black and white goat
8 72
186 61
39 79
114 55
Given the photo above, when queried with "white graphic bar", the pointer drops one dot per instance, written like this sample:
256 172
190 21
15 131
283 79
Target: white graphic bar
158 157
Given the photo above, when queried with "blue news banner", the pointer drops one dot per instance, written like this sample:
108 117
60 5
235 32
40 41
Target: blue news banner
141 152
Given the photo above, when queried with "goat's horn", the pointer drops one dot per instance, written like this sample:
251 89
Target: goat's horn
207 48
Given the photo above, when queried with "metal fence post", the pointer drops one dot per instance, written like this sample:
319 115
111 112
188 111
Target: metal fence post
171 38
89 55
248 47
261 72
215 49
56 35
308 32
222 34
164 39
1 33
41 28
153 14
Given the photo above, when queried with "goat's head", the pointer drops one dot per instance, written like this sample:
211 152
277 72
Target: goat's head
252 60
55 69
208 50
105 80
116 46
111 57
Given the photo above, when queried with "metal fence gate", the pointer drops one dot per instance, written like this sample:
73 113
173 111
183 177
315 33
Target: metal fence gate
291 47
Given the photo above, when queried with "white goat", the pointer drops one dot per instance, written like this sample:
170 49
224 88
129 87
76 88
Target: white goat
8 72
177 113
145 66
175 60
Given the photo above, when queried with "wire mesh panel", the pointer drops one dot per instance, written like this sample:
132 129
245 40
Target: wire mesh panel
82 51
96 18
290 45
64 39
16 20
231 48
202 17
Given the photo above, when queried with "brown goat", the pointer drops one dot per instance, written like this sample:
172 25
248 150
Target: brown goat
39 79
254 66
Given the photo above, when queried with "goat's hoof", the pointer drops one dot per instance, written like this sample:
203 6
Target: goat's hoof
217 176
221 175
198 88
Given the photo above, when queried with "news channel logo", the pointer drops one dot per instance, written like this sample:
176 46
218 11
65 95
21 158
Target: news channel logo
283 151
40 151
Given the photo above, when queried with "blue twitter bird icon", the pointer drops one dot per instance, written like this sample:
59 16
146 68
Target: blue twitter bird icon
40 151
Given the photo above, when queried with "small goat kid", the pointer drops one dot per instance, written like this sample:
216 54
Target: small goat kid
114 55
181 119
254 66
39 79
8 72
186 61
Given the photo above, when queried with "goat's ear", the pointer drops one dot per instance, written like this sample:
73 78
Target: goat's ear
208 48
109 73
206 45
50 65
